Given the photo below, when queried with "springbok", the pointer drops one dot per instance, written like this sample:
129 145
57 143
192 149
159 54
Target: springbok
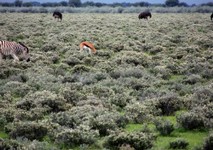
87 47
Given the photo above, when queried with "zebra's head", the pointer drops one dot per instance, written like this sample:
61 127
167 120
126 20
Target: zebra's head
25 55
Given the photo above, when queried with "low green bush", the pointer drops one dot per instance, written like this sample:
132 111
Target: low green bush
178 144
191 120
74 137
29 130
208 143
137 140
165 127
169 103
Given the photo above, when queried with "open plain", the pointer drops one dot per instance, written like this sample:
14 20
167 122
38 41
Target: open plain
148 86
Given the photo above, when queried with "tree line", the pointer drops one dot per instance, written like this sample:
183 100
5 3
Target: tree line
78 3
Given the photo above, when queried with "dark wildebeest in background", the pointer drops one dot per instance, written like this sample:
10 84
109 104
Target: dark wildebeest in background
57 14
145 15
211 16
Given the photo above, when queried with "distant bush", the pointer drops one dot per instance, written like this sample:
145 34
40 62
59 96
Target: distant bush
35 145
72 61
178 144
18 89
165 127
120 100
139 113
44 99
107 9
125 73
105 125
72 96
29 130
169 103
74 137
6 144
137 140
190 120
80 69
208 143
202 95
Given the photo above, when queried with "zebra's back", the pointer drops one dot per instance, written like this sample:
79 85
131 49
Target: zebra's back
14 49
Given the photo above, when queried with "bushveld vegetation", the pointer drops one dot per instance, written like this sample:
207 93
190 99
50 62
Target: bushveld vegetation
149 86
108 9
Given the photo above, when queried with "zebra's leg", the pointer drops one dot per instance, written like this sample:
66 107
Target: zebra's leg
15 58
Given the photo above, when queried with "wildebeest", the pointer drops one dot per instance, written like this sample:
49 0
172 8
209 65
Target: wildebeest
17 50
57 14
145 15
87 47
211 16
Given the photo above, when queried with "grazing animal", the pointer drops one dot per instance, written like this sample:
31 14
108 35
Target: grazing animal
87 47
58 15
145 15
17 50
211 16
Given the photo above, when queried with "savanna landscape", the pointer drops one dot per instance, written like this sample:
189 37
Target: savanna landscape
149 86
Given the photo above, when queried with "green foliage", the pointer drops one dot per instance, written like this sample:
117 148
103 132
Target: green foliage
172 3
10 144
50 101
75 3
189 120
29 130
165 127
73 137
137 140
208 144
169 104
179 144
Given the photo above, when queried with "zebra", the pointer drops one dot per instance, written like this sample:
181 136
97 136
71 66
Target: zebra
17 50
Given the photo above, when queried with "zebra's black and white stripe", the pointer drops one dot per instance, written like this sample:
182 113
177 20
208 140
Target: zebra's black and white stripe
16 50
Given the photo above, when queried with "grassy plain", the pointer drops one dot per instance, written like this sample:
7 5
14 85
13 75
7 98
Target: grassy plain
78 100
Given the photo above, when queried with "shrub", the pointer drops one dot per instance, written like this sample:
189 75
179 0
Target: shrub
80 69
77 115
7 144
190 120
169 103
3 121
120 100
73 137
125 73
138 112
30 130
72 96
102 91
202 96
206 112
72 61
208 144
161 71
102 122
37 145
137 140
178 144
165 127
16 88
44 99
